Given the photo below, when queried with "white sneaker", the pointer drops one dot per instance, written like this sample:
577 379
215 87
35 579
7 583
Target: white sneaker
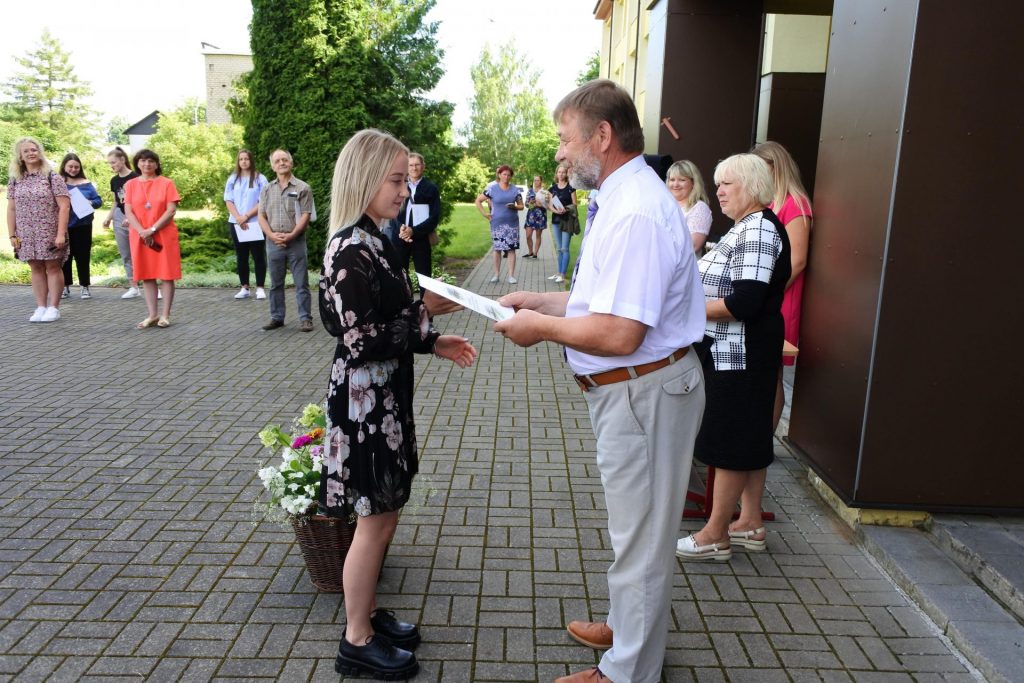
85 293
50 315
260 294
132 293
66 293
493 279
559 278
512 280
38 315
243 293
159 294
553 277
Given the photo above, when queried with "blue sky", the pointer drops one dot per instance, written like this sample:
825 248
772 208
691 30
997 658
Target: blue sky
140 56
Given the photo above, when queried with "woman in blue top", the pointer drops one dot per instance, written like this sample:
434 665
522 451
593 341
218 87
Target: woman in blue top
504 202
79 227
242 197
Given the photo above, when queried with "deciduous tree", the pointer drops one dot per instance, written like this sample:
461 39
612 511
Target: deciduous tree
508 109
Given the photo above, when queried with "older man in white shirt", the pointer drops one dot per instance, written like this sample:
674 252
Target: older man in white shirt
635 308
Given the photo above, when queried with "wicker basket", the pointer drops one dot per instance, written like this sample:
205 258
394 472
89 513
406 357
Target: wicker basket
324 542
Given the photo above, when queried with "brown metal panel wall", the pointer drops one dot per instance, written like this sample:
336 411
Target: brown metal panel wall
948 382
868 68
794 117
709 83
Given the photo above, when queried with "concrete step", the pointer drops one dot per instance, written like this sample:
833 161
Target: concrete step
990 549
989 635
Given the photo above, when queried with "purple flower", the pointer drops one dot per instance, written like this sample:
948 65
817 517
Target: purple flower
301 441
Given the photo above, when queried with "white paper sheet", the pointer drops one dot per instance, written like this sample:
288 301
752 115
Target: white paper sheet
79 204
420 213
556 203
471 300
253 234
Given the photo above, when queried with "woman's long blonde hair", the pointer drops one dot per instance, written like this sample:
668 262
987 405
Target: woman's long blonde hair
17 169
784 172
688 169
362 167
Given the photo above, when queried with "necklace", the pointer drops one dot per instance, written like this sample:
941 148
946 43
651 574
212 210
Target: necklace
145 191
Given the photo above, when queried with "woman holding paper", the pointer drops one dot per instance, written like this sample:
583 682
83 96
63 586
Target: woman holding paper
537 200
370 454
565 194
242 197
37 223
504 202
84 201
150 202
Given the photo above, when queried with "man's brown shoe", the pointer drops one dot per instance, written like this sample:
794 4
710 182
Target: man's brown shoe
595 634
306 326
593 675
273 324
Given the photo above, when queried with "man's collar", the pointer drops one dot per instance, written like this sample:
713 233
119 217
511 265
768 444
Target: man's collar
619 176
290 179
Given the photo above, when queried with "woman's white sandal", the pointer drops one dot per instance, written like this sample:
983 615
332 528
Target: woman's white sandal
745 540
688 549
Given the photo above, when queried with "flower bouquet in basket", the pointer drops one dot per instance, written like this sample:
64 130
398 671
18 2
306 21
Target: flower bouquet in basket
294 487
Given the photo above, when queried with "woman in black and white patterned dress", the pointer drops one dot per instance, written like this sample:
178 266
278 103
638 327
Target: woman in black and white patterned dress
744 278
371 456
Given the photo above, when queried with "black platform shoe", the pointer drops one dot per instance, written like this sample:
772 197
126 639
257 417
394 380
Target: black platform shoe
401 634
376 658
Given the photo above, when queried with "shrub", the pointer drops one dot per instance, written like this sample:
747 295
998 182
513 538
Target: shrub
467 181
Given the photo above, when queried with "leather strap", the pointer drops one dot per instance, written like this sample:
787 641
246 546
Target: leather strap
599 379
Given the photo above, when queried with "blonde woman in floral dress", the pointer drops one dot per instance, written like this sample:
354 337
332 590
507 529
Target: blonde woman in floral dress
370 458
38 207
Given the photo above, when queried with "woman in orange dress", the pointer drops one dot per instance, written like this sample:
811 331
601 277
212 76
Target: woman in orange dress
150 202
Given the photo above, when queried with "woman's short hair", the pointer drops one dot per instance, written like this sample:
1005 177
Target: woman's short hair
147 154
688 169
71 156
120 154
751 173
17 169
784 171
362 167
502 169
603 100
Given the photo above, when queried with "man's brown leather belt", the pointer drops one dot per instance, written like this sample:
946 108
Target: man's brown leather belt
599 379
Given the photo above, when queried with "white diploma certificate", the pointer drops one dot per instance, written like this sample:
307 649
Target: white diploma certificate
79 204
253 234
471 300
556 203
420 213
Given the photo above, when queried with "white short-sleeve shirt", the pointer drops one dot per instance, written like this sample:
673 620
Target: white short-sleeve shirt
636 261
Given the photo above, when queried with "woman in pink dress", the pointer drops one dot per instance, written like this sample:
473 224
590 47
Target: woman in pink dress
38 207
793 207
150 202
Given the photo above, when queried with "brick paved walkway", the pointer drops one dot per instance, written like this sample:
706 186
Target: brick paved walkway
127 550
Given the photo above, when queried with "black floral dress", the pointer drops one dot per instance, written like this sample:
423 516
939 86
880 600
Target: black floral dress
366 302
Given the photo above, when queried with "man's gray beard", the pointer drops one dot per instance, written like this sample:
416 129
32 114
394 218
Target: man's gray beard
585 172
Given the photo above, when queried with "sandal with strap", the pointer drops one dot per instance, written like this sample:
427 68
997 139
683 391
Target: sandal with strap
163 322
148 322
746 540
688 549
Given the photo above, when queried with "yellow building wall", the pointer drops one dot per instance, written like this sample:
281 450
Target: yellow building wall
221 72
796 43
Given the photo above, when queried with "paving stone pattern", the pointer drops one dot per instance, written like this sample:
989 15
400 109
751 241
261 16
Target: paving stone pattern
128 549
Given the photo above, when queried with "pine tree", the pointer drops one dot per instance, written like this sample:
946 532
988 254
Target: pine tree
48 96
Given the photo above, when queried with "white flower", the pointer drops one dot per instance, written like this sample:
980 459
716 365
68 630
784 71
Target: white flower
392 431
361 399
362 507
266 474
